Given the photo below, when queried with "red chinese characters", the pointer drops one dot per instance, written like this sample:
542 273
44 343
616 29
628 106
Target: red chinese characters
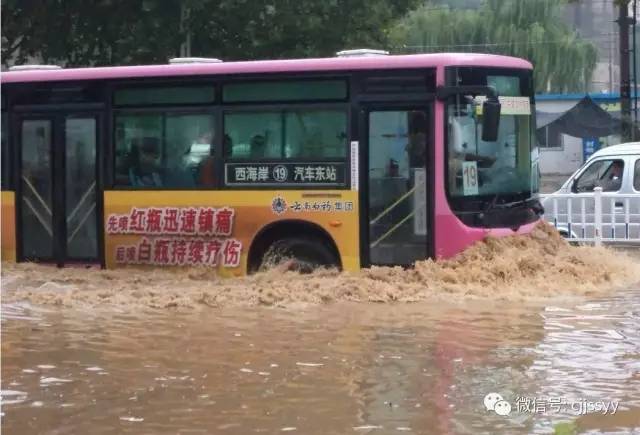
154 220
178 251
161 252
132 256
171 221
123 224
188 221
112 224
224 221
232 252
182 252
196 252
137 220
121 254
144 251
188 236
213 251
205 221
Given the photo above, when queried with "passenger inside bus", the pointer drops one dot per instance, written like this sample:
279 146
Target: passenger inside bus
207 167
145 169
197 150
258 146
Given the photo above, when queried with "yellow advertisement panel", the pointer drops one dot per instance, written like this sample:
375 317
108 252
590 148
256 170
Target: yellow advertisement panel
8 235
217 229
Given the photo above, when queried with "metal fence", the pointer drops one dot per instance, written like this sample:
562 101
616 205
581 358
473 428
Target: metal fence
595 217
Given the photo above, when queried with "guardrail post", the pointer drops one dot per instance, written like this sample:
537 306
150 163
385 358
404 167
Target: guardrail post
627 219
569 217
597 217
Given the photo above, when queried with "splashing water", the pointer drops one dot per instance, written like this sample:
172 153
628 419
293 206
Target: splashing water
537 265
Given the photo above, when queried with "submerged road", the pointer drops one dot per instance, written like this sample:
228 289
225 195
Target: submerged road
423 368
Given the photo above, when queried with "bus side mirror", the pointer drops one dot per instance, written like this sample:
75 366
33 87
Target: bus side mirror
491 119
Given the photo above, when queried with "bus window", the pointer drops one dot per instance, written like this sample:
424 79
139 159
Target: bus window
150 156
315 134
291 134
300 90
188 145
164 95
254 135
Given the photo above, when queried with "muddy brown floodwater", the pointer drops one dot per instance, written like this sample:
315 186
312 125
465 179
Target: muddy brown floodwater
554 330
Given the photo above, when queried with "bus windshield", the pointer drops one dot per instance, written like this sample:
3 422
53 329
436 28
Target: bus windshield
501 167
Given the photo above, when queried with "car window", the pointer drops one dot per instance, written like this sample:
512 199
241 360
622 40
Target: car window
601 173
636 175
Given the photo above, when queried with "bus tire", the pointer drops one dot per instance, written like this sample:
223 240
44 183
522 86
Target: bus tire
300 253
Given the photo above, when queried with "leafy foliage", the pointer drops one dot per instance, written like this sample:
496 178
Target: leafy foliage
107 32
531 29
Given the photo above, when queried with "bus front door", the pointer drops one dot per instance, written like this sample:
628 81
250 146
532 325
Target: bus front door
58 220
398 218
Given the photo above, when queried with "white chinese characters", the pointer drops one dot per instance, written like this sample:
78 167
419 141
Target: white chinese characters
555 405
286 173
315 173
549 405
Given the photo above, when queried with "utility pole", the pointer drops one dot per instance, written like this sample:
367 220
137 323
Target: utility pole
611 59
185 29
624 21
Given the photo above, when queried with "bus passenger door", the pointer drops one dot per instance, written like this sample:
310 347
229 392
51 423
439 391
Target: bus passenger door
397 141
58 219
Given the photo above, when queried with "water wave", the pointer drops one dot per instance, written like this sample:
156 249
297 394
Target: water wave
537 265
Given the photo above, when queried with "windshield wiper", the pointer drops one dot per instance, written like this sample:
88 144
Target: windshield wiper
507 205
513 204
491 204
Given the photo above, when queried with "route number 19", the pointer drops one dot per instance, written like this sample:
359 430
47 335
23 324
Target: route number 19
470 178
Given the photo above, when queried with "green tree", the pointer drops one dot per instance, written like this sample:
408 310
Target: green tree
102 32
90 32
531 29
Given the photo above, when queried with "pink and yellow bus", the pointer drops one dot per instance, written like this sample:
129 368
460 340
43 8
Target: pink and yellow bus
357 160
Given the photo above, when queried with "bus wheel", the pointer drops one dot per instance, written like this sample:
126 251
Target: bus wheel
301 254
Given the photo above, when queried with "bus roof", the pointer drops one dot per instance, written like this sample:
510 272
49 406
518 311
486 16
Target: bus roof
267 66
